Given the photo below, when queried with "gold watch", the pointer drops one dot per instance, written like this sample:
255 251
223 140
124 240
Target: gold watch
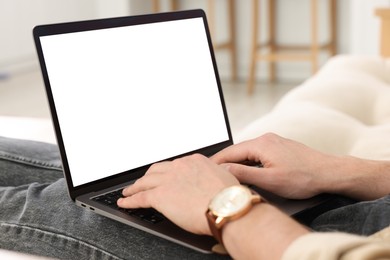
230 204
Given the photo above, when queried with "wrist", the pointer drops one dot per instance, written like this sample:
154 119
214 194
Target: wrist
228 205
265 233
357 178
335 174
346 175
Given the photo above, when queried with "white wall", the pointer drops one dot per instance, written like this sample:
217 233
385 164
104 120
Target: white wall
365 25
111 8
356 21
18 17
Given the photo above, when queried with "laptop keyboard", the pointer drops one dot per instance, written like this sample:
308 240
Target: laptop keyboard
149 214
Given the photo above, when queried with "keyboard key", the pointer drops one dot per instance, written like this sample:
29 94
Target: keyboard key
110 199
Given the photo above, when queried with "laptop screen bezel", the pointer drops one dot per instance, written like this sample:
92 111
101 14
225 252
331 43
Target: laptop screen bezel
53 29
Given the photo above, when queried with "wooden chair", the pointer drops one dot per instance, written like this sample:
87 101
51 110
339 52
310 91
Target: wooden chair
384 14
174 5
278 52
230 43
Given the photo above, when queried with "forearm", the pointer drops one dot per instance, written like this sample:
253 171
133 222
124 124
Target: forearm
358 178
263 233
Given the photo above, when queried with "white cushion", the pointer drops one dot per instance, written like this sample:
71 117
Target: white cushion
343 109
27 128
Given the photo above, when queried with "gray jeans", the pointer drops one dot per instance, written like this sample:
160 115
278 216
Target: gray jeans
38 217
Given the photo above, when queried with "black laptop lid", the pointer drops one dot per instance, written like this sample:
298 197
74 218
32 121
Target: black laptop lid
127 92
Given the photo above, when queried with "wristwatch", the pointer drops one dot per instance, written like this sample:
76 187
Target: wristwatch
230 204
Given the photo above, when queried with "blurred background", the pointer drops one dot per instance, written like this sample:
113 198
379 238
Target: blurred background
357 33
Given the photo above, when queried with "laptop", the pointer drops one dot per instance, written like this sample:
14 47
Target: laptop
128 92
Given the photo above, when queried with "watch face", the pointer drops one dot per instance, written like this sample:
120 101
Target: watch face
230 201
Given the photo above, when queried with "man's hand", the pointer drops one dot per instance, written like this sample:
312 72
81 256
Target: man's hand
295 171
181 190
289 169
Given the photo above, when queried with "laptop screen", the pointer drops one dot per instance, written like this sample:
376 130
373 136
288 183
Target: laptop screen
129 96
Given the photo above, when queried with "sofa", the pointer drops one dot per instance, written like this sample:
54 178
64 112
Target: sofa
28 128
343 109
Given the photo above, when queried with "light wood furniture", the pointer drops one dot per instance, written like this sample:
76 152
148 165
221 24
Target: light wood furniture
384 14
277 52
230 43
174 5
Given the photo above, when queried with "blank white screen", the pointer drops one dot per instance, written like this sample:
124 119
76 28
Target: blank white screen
129 96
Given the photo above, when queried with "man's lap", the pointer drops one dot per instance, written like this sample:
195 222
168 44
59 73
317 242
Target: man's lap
41 219
25 162
38 217
361 218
